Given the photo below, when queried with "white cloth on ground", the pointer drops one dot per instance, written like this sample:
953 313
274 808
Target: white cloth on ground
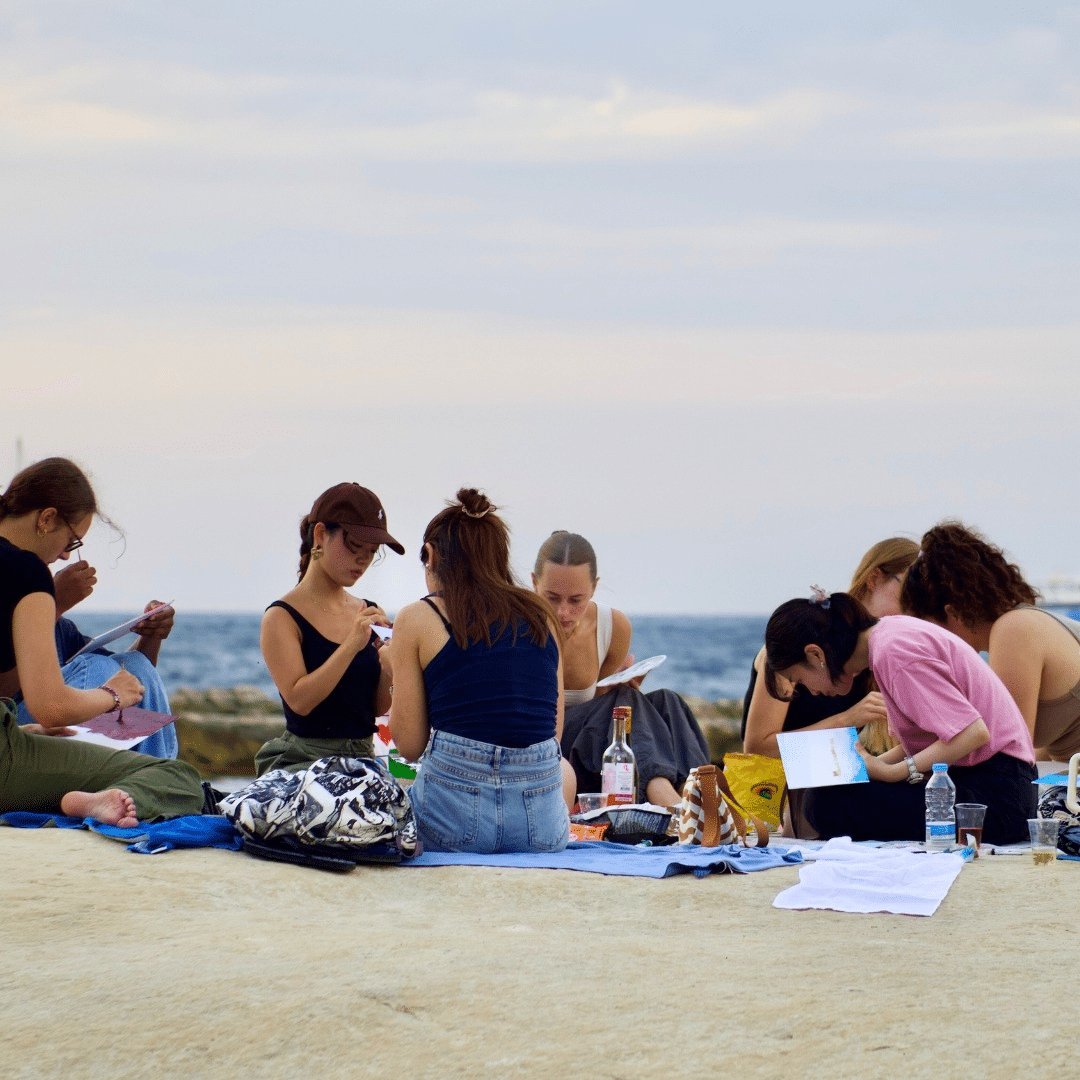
850 877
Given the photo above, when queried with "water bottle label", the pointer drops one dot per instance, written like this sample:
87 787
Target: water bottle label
938 832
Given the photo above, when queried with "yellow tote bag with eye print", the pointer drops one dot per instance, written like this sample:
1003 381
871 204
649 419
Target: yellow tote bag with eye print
758 783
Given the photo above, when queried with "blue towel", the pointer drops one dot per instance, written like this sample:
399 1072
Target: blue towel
193 831
26 819
602 857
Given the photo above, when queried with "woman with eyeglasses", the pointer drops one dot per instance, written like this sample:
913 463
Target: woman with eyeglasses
318 642
44 514
477 681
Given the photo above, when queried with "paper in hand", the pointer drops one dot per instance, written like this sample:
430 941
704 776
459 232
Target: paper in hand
821 758
642 667
118 631
109 729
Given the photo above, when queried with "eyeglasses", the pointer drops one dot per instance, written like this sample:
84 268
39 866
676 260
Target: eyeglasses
74 543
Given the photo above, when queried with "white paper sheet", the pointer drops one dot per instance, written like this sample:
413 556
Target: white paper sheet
821 758
110 636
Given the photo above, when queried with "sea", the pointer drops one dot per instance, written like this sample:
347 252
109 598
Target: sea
708 656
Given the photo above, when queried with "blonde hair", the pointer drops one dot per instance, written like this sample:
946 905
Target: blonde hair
893 557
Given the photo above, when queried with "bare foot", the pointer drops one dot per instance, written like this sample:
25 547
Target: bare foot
112 806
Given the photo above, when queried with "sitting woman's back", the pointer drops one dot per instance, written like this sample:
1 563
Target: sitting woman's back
477 681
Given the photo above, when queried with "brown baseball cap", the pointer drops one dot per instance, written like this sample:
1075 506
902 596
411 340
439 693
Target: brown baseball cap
358 511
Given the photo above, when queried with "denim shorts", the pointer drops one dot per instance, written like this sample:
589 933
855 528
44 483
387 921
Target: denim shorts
475 796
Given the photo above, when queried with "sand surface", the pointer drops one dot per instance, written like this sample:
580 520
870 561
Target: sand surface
215 964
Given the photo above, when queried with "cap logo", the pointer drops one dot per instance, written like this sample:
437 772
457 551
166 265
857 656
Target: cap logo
381 515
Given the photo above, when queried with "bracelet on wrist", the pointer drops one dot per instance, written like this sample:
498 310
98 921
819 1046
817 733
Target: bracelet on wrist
115 696
914 776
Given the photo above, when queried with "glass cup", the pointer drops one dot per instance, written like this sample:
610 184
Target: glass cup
969 822
592 800
1044 837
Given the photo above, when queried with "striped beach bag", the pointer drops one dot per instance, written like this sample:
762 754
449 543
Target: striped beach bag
710 815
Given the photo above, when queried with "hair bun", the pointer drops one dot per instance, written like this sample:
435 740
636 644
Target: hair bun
474 504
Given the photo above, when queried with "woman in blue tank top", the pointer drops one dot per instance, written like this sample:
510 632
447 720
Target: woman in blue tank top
317 640
477 681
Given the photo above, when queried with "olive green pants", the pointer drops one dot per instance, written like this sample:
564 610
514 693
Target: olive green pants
293 753
37 771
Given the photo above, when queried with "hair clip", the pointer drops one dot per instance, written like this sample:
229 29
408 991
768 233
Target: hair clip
817 596
483 513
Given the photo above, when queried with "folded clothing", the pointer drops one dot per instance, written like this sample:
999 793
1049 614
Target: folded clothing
851 877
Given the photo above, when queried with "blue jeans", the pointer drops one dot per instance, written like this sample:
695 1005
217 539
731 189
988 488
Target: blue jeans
89 671
474 796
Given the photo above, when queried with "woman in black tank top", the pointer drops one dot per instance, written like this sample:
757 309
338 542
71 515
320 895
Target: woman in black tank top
318 640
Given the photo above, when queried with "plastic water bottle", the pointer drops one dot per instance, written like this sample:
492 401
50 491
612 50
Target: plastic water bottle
940 816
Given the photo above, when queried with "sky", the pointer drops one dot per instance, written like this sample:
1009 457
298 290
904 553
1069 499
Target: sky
734 291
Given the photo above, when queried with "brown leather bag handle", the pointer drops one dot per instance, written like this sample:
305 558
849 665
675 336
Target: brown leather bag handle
710 805
739 813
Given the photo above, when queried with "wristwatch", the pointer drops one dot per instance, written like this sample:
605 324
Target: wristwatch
914 776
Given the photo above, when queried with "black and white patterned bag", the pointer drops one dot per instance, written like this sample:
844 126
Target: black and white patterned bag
344 808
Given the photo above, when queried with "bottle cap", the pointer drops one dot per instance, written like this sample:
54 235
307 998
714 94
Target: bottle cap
941 766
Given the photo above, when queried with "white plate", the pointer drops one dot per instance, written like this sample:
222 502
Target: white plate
642 667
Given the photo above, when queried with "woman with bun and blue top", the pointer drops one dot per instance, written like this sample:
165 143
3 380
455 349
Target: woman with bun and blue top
944 704
477 693
318 642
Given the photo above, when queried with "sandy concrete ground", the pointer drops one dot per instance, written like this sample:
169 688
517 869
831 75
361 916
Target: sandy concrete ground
214 964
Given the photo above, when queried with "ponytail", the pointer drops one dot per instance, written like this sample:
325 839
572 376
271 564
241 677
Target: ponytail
833 624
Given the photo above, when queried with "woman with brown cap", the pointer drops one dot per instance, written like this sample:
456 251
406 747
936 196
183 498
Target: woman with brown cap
318 642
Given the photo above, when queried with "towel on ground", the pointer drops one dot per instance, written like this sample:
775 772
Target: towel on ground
850 877
602 857
191 831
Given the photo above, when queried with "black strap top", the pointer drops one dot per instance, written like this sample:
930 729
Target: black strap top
348 711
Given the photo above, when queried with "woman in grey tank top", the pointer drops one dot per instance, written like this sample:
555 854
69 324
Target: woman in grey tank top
968 586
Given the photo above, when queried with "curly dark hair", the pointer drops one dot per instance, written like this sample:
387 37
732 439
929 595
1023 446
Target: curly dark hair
958 568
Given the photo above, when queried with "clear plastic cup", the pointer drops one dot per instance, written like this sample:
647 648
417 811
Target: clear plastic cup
1044 837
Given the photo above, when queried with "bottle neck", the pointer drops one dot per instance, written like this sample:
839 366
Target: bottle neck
618 730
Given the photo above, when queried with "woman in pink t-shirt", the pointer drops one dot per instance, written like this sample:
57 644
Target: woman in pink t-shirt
944 704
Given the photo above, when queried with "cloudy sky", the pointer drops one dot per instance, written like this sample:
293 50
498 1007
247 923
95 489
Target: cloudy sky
734 291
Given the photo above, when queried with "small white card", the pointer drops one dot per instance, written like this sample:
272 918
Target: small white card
821 758
642 667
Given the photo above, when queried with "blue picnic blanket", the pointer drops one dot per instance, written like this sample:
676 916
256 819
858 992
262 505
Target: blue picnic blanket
602 857
590 856
192 831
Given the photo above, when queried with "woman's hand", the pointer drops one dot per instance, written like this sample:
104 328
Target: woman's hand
73 585
360 634
38 729
157 626
127 686
882 770
871 707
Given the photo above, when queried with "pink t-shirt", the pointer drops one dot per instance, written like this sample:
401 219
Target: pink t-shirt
935 685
